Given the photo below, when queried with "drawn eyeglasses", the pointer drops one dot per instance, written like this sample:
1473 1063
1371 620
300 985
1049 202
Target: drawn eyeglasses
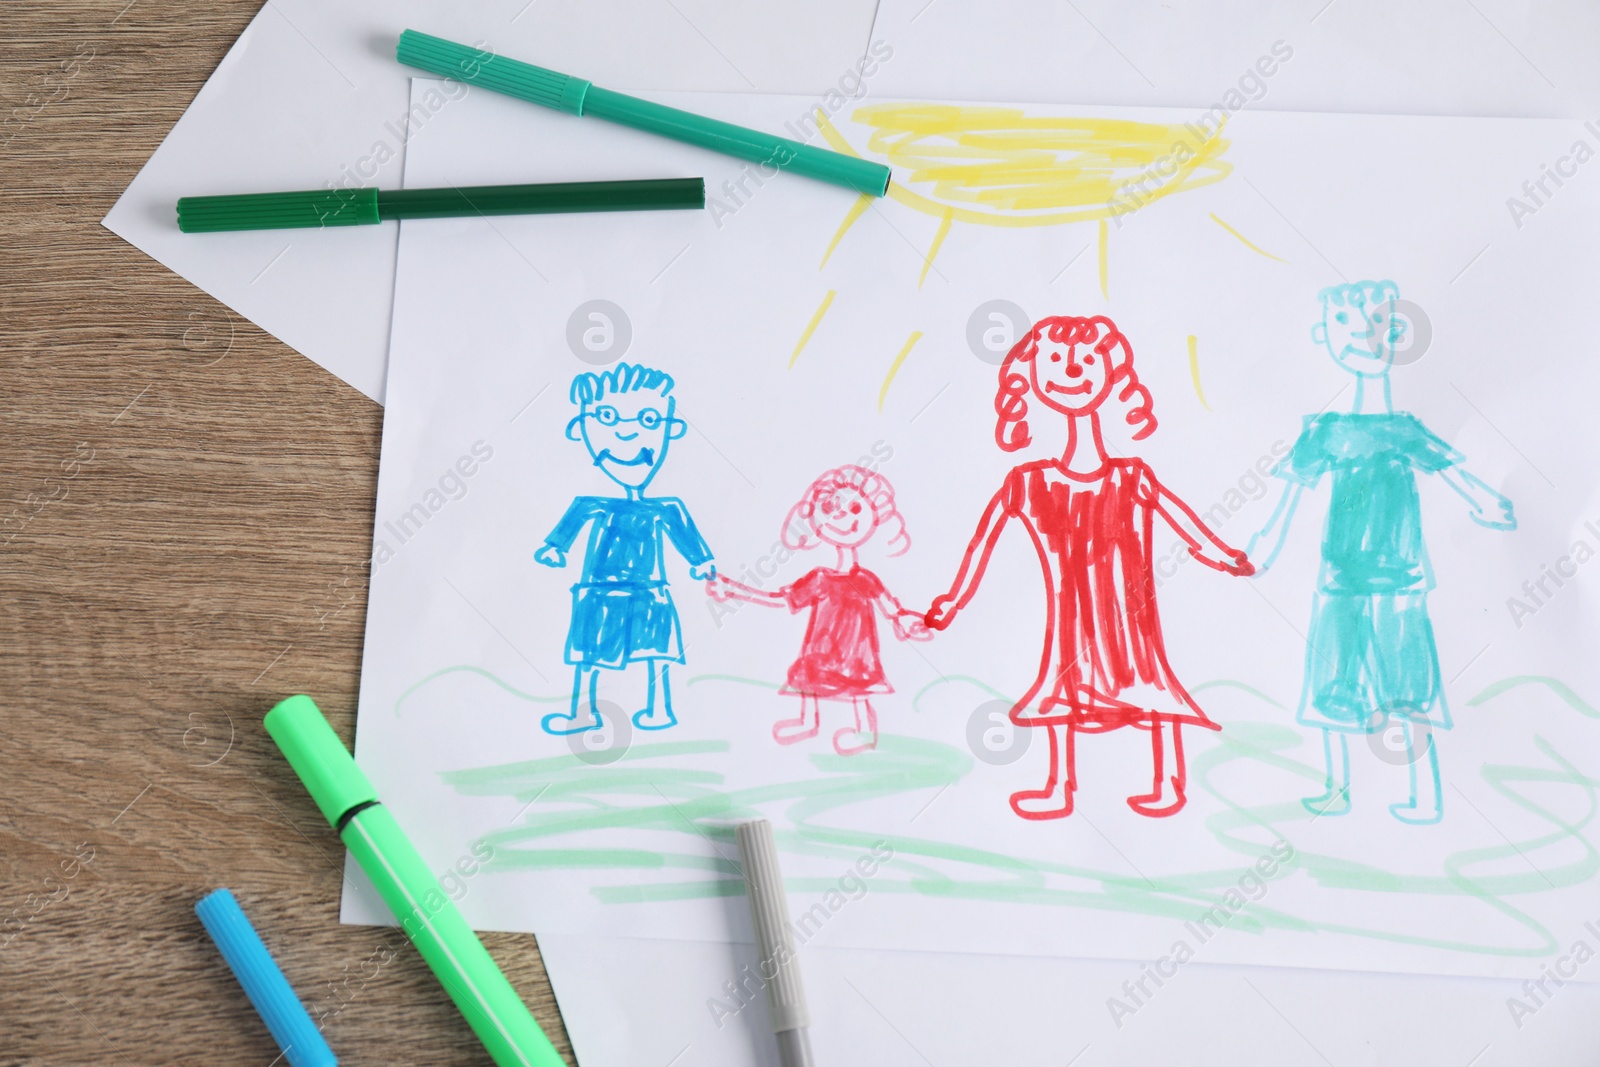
648 418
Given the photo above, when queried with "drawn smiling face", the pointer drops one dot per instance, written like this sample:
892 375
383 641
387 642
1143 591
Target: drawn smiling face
1361 337
1070 378
628 433
842 517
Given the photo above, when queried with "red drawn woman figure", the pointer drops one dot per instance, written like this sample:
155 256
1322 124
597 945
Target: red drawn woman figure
845 508
1090 516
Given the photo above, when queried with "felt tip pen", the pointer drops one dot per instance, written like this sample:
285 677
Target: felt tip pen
576 96
427 916
769 914
368 207
269 991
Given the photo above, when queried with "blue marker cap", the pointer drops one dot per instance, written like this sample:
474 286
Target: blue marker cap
263 983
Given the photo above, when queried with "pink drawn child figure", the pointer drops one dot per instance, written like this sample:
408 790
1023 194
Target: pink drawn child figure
838 660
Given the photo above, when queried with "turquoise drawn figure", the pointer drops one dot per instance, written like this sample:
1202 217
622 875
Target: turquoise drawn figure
1371 662
622 611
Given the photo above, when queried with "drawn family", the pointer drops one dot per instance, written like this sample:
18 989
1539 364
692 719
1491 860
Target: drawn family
1371 663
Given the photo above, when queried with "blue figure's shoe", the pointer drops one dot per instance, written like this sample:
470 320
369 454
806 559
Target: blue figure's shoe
557 723
1410 813
652 719
1333 802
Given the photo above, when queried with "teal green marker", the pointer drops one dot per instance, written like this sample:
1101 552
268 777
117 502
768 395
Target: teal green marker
563 92
459 960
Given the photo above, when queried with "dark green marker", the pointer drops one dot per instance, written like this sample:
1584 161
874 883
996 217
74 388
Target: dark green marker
364 207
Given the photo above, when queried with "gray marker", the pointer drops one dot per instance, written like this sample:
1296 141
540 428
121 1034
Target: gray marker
769 914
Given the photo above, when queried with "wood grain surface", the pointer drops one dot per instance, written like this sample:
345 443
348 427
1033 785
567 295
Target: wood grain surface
188 508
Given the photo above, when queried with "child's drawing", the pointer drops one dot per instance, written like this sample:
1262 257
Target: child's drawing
622 612
1090 518
1371 662
845 508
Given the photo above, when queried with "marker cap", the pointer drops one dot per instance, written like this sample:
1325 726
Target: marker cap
319 758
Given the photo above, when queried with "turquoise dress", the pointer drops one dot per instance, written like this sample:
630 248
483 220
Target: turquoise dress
1371 653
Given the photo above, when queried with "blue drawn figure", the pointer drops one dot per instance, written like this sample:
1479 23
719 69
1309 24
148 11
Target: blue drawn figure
1371 663
622 612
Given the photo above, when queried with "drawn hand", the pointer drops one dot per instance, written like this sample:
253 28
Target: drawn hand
550 556
1499 515
704 572
719 588
909 626
941 613
1239 564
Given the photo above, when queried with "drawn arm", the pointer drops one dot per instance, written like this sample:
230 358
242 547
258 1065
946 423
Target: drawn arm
686 539
1204 545
579 512
721 588
973 563
908 625
1489 508
1271 537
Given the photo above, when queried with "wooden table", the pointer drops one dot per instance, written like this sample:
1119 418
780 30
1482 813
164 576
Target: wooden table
188 512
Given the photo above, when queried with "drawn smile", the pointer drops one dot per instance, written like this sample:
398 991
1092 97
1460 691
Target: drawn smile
1082 387
842 532
644 457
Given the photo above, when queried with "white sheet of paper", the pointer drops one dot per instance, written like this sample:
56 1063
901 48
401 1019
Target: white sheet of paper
442 602
1503 58
311 96
632 1002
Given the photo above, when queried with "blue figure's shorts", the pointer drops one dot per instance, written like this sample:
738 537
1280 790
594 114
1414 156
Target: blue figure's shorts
616 623
1369 658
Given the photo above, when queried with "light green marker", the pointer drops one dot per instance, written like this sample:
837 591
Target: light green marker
465 968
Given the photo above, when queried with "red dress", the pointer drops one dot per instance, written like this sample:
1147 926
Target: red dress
1093 535
839 657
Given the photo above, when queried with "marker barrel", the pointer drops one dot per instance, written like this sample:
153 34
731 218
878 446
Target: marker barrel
269 991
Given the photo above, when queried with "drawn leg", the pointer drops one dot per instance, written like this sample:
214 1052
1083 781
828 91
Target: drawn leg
848 742
1427 803
788 731
1054 801
572 722
1168 773
649 717
1335 796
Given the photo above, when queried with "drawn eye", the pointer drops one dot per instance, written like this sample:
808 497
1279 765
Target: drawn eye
1377 318
827 507
1088 361
1342 317
649 418
606 415
855 509
1055 357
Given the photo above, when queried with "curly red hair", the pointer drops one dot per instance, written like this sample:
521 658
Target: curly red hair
1099 334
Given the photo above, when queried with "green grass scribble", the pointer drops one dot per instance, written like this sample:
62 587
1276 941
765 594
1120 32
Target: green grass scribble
649 790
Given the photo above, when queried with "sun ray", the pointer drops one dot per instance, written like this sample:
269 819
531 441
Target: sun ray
811 327
1251 245
938 240
857 209
1104 233
894 368
1194 369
